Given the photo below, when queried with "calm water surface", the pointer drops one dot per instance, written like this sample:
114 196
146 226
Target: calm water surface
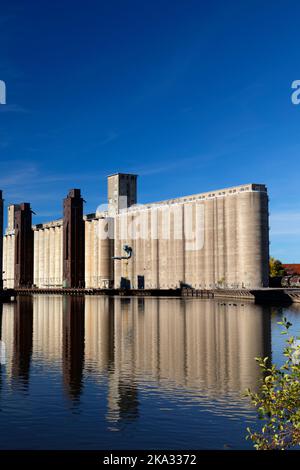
117 373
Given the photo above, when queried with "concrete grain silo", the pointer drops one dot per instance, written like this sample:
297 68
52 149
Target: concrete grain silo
217 239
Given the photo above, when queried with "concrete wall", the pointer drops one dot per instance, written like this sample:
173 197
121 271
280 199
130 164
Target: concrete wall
9 260
121 191
23 245
210 240
9 250
48 257
99 251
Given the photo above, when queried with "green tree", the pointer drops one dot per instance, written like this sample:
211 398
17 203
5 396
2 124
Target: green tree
276 268
278 400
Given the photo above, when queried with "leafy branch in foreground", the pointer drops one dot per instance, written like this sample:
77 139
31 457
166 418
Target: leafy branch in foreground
278 400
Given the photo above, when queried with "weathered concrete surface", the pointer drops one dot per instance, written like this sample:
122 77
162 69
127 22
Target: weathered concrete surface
23 246
73 240
121 191
230 248
99 252
234 252
48 256
9 250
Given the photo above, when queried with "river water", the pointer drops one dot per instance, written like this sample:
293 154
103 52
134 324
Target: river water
130 373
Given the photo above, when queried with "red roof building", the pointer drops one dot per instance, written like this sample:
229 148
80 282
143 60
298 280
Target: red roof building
292 268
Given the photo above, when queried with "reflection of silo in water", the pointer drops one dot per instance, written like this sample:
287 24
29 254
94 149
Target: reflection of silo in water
204 346
2 346
223 338
255 341
1 311
201 345
123 394
127 401
171 340
7 336
99 333
73 345
22 349
47 328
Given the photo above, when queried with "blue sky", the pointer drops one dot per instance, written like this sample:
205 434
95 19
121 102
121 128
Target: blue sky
191 95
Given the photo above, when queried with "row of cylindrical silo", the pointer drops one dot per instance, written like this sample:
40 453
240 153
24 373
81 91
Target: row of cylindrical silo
9 260
98 253
205 242
48 256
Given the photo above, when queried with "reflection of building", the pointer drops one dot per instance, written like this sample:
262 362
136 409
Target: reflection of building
123 388
102 334
219 238
2 346
73 344
99 334
23 333
203 346
200 345
47 329
7 336
206 347
1 309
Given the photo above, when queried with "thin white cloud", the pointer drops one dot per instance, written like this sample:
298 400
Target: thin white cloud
30 176
18 177
111 137
180 162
